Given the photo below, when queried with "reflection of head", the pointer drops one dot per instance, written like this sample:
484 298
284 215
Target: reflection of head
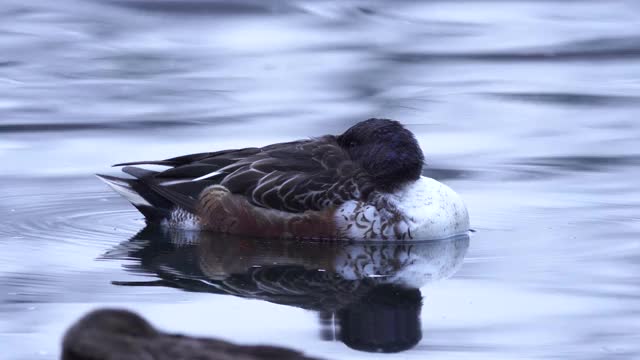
386 319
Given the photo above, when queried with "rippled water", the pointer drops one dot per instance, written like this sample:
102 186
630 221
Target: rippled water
529 109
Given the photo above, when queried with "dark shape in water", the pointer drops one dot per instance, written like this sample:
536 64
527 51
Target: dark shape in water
386 319
370 289
113 334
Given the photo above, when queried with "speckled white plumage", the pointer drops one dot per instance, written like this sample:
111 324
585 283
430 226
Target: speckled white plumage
421 210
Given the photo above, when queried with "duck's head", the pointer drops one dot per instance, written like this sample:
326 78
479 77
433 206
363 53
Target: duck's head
107 333
116 322
386 150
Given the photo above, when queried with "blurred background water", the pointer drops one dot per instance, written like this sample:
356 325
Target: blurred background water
529 109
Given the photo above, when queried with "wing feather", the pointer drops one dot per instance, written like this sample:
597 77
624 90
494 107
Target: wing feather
295 176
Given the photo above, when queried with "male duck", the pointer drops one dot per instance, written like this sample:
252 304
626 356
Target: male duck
365 184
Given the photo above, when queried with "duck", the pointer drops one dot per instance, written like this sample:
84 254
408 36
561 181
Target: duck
365 184
120 334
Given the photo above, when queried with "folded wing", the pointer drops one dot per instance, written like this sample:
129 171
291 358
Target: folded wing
295 177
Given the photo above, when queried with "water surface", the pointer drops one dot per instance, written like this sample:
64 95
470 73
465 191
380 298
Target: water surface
529 109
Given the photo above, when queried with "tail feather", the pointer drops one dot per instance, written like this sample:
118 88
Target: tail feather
125 187
153 206
138 172
152 162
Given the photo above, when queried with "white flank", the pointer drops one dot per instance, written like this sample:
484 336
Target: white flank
430 210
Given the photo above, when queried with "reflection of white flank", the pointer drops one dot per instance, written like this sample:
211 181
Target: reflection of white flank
410 264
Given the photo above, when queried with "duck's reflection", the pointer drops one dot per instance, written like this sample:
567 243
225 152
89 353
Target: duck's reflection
367 294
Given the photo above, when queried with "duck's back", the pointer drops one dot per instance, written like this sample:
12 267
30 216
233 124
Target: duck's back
294 177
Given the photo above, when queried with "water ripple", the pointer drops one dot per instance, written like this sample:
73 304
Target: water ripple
45 218
575 99
599 49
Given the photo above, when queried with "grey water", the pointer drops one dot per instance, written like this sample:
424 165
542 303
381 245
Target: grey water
529 109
